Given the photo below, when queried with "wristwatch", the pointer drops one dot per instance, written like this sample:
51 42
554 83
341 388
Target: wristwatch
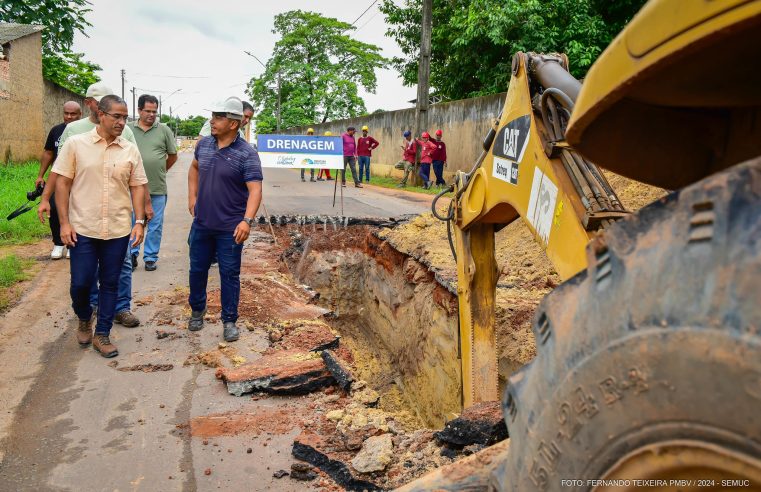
140 221
248 221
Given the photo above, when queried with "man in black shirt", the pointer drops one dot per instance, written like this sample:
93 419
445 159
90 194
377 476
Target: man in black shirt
71 112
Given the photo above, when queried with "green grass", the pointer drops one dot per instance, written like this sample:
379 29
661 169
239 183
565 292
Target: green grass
386 182
13 269
15 181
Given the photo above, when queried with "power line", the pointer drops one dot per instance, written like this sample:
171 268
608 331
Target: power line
172 76
363 13
368 21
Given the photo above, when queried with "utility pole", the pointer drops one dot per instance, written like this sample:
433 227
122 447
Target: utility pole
423 74
159 107
123 73
134 114
278 103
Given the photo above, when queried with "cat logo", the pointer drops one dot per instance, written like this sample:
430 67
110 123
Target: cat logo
509 147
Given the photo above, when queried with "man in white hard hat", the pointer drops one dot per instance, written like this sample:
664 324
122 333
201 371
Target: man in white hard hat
224 193
94 94
248 113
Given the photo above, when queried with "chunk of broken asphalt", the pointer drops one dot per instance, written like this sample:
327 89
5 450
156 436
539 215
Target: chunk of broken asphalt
280 474
309 447
481 423
338 368
303 472
333 344
287 372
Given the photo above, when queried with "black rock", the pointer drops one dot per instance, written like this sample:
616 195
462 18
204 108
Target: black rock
280 474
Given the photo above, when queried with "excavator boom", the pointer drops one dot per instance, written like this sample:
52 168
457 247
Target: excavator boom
528 171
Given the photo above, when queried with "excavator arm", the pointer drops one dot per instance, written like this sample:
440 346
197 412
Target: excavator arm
527 170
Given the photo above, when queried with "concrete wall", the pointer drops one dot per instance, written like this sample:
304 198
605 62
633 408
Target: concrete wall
52 108
464 123
22 135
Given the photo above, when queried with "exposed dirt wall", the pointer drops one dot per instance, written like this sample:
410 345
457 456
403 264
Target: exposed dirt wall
392 310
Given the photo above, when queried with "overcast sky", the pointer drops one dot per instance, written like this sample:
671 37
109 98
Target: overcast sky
197 46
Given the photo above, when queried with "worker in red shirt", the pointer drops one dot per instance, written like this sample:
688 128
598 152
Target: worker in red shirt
365 146
409 151
325 172
439 159
426 158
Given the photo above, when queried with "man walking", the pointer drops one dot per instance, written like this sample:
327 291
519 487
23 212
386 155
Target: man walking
350 157
100 182
93 97
409 151
224 193
159 152
439 159
310 132
365 146
71 112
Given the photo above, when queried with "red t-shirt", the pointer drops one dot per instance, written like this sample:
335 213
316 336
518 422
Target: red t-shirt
410 149
365 145
440 154
426 154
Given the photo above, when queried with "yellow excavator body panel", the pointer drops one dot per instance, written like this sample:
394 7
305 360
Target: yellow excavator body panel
675 97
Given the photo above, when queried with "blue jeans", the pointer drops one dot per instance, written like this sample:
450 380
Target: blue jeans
425 172
102 258
204 245
438 169
364 165
124 295
155 227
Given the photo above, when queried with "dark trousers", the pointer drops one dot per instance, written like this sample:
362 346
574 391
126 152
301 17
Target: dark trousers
55 225
106 257
425 172
364 167
438 169
352 162
311 172
204 245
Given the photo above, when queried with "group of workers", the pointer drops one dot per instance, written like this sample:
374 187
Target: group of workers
432 153
106 194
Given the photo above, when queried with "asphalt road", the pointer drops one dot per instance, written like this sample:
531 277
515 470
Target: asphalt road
69 421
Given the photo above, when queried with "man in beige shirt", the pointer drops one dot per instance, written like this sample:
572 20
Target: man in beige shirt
100 180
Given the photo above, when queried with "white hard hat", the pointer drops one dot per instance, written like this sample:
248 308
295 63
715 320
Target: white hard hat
232 106
98 90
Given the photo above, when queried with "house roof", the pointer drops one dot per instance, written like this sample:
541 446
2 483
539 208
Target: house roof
10 31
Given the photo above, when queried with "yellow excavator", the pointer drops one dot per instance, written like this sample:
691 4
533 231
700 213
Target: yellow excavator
648 371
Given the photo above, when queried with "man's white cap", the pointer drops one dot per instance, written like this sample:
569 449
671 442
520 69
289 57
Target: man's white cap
98 90
232 106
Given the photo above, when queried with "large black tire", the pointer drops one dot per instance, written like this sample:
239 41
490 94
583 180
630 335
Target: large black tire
655 349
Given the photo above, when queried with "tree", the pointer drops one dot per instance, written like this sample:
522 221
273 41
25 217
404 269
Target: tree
473 41
62 20
320 67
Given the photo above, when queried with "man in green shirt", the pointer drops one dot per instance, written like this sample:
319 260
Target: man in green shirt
159 152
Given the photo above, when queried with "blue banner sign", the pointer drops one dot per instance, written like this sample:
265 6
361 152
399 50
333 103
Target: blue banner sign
300 151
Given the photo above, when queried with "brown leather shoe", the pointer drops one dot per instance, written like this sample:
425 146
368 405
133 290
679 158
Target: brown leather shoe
126 318
84 331
102 344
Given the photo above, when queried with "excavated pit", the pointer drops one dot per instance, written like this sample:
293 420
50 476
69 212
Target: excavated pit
398 320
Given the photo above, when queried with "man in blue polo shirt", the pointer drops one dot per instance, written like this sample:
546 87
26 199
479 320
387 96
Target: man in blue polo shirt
224 193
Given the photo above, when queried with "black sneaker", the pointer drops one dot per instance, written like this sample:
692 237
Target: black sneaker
134 261
195 322
230 332
150 266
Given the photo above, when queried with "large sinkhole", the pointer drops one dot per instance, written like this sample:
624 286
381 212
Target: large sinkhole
391 312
